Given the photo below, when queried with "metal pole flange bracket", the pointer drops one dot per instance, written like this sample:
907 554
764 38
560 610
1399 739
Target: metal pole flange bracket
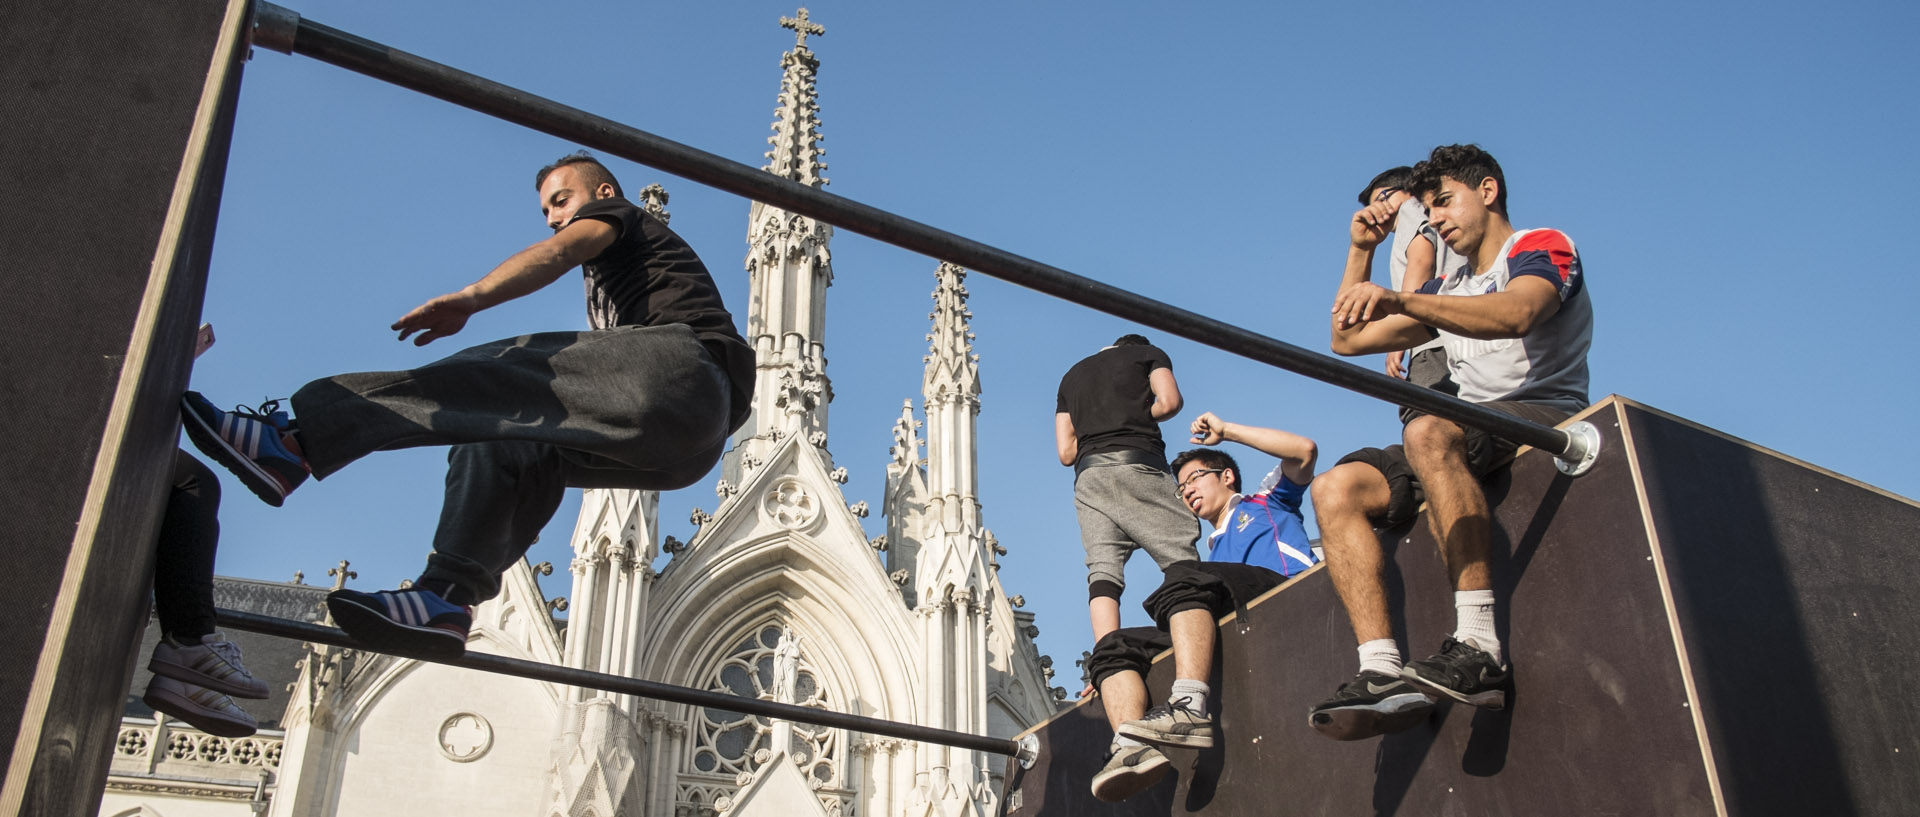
1583 449
1029 751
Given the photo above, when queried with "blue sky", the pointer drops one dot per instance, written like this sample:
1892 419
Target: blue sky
1734 183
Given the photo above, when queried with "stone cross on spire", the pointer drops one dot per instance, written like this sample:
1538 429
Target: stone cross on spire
341 574
802 27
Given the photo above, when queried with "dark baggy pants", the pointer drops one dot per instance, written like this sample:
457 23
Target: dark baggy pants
630 407
1219 587
183 555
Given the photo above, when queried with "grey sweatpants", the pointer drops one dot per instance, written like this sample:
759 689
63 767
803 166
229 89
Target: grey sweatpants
527 417
1125 507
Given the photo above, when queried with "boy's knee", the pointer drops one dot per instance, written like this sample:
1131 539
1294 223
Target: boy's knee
1429 437
1340 490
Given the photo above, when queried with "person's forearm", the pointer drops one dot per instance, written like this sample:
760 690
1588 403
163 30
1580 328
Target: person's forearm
523 273
1165 406
1272 441
1492 316
1359 268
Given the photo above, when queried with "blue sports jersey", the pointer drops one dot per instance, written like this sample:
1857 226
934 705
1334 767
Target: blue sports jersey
1266 530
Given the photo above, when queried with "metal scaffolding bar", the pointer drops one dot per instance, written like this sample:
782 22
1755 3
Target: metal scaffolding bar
317 634
283 30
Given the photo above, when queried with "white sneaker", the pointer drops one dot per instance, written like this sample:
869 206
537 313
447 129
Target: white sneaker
203 708
213 663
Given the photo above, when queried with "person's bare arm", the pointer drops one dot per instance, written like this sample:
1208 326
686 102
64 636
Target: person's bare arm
522 273
1166 394
1297 454
1421 256
1370 226
1526 303
1064 442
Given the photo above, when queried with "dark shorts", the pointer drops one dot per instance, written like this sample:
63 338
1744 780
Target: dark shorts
1484 451
1219 587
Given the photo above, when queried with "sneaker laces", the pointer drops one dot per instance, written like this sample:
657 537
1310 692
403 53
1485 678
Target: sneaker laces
229 652
262 413
1452 661
1165 710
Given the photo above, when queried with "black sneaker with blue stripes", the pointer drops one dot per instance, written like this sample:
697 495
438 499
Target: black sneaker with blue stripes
248 442
416 621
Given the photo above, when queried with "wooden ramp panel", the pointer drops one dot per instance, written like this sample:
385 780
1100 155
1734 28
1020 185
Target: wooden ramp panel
116 116
1635 629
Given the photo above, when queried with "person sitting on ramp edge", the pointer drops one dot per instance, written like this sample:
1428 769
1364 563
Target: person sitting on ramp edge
1259 540
1516 323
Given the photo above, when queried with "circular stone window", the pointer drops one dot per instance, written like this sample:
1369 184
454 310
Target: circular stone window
465 737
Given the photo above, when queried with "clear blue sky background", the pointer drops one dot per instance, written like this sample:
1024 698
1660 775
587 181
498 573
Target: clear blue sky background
1736 182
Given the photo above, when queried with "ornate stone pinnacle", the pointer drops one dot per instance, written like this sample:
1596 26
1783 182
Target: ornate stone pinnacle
802 27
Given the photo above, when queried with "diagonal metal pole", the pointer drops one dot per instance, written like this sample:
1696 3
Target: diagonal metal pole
317 634
284 30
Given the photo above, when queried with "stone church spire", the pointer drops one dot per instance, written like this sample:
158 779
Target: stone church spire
951 389
789 268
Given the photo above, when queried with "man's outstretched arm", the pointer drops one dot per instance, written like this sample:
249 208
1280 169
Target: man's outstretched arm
1297 454
522 273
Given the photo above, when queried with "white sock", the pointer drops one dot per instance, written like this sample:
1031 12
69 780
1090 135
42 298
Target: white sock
1194 691
1380 655
1122 742
1473 611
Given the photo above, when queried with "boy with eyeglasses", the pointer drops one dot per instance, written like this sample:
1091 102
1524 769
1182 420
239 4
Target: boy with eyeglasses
1259 541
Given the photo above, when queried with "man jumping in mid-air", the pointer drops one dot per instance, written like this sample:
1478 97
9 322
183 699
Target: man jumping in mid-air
644 400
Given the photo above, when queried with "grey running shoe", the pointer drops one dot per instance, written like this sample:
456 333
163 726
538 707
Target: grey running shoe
1172 724
1373 703
209 711
1461 671
213 662
1129 771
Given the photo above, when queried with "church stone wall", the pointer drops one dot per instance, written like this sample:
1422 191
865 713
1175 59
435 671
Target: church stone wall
421 749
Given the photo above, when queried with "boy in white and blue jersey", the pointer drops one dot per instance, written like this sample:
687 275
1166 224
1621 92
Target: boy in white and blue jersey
1259 541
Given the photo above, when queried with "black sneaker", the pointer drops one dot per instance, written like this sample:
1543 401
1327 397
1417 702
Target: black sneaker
1171 724
1373 703
1461 671
414 622
247 442
1129 770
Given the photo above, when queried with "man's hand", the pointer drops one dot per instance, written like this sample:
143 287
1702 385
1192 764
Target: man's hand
1209 429
1365 302
438 318
1394 369
1371 225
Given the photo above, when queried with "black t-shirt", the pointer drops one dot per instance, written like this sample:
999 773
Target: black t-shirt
649 276
1111 402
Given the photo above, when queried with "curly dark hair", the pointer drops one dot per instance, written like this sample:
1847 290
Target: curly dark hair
1466 164
595 173
1209 458
1131 340
1394 177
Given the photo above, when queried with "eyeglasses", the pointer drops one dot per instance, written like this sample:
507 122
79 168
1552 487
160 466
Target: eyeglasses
1196 475
1385 193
